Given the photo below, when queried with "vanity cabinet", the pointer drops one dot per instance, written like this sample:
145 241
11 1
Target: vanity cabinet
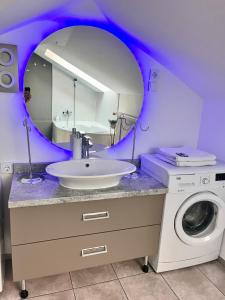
57 238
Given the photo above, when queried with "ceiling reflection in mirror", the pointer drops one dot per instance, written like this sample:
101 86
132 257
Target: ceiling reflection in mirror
85 78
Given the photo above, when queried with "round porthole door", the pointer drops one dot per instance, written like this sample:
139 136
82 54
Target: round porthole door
200 219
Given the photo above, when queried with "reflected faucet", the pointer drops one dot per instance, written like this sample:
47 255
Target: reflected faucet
67 113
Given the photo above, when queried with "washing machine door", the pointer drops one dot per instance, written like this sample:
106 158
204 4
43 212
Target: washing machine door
200 219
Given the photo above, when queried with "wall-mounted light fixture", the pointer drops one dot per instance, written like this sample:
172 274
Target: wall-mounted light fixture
8 69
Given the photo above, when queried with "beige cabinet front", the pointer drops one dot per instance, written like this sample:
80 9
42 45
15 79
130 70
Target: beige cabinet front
58 238
63 255
48 222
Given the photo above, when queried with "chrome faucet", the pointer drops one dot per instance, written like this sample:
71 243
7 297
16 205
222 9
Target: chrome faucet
85 146
80 144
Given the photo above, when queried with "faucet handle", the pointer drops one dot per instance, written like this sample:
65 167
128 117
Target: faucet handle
88 141
83 136
87 137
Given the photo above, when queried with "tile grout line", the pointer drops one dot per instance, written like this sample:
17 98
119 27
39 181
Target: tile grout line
123 289
120 282
85 286
210 280
116 279
52 293
72 286
114 271
170 287
135 275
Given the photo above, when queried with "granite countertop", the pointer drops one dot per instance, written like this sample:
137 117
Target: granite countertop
49 191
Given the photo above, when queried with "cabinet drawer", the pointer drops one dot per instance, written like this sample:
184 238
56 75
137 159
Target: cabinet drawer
42 223
63 255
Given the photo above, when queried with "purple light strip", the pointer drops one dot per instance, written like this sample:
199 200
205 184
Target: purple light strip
60 23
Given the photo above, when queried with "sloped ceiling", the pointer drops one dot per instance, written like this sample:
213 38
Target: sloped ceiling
186 36
14 12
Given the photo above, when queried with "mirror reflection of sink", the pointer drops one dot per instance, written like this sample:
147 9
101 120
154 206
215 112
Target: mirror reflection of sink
90 173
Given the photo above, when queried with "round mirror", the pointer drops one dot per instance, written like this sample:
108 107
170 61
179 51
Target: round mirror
85 78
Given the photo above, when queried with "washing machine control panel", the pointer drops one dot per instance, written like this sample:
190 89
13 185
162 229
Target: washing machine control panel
182 183
190 182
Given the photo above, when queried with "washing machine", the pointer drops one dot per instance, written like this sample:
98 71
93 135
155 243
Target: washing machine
193 218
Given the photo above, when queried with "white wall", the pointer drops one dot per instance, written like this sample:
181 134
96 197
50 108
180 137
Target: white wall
63 97
212 137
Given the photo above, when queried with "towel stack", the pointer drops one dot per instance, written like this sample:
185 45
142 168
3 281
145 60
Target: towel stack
186 157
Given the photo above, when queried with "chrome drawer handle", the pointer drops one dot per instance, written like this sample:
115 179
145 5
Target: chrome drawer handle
94 251
96 216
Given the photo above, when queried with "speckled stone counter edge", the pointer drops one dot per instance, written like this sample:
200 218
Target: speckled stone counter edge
28 203
50 192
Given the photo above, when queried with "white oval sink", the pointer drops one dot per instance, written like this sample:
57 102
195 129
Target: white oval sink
90 173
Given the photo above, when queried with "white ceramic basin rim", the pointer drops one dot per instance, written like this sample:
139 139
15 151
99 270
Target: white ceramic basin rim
90 173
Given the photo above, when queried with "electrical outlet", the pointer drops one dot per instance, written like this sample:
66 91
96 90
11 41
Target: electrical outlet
6 168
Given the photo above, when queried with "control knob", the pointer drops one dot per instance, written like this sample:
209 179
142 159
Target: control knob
205 180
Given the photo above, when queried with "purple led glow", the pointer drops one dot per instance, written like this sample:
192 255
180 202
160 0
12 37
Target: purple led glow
38 32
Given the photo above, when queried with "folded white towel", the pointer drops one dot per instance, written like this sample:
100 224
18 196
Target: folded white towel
186 163
186 154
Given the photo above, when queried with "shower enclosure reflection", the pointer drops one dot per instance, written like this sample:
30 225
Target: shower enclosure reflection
85 78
